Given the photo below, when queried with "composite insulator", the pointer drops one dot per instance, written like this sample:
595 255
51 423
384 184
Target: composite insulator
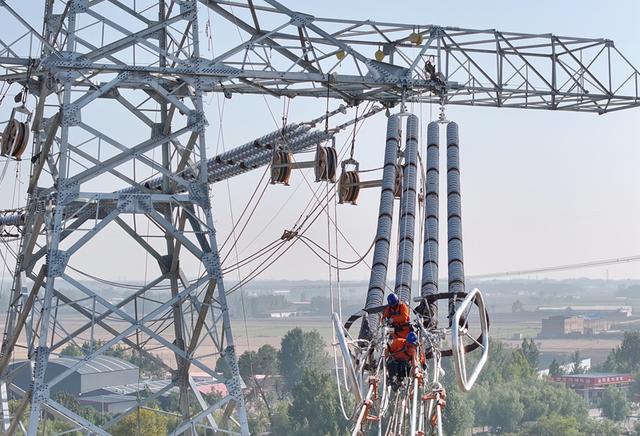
404 269
348 187
326 164
429 285
378 277
281 166
454 215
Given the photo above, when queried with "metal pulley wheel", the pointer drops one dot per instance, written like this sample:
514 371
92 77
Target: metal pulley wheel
398 181
281 167
326 164
9 137
22 139
348 187
15 139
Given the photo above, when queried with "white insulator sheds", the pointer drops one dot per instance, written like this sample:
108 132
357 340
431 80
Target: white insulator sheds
404 268
378 277
454 214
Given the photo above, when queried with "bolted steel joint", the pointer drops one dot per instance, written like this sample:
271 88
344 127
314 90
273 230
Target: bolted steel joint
68 190
57 262
199 194
211 264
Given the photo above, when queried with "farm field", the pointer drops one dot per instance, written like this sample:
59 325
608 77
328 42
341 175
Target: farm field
260 331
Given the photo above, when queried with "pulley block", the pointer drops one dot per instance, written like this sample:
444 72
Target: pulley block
348 187
15 139
281 167
326 164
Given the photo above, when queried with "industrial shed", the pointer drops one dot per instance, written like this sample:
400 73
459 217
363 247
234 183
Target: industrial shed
113 403
101 371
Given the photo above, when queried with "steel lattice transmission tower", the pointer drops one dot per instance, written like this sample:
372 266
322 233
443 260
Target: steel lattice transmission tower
144 173
80 158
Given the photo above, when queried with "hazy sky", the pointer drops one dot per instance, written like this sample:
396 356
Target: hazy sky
539 188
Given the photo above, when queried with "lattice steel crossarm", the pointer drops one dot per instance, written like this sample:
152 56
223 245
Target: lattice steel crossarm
286 53
477 67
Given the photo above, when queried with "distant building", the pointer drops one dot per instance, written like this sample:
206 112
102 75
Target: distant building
109 403
204 383
101 371
605 309
591 386
584 365
281 314
595 325
562 325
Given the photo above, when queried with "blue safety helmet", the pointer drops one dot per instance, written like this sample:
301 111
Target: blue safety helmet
412 338
392 299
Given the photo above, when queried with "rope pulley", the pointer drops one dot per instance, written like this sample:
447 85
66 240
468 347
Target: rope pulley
348 187
350 184
324 165
281 167
15 136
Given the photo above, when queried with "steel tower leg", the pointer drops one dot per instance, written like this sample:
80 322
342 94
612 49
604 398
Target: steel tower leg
77 202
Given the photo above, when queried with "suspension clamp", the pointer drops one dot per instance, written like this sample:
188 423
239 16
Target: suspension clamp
288 235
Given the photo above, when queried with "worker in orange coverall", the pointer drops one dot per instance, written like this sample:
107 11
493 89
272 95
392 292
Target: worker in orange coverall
402 355
398 315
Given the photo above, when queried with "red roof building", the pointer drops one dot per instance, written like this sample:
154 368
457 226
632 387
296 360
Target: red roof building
591 386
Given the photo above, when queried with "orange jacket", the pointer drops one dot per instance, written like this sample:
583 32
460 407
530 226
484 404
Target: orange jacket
400 349
398 315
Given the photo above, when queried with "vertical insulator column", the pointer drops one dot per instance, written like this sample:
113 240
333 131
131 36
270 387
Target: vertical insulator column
378 278
429 283
454 215
404 268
